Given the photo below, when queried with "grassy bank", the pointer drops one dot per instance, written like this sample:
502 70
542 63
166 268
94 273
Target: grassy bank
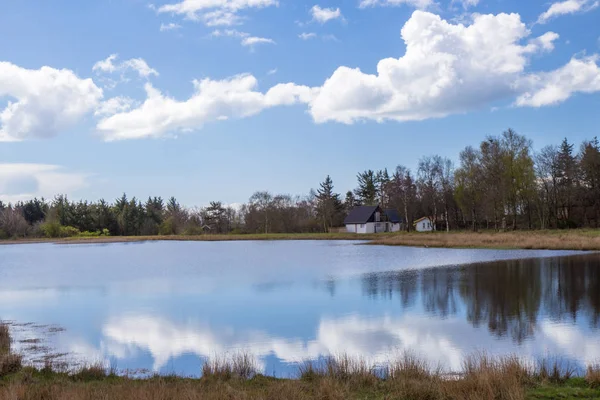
237 377
580 239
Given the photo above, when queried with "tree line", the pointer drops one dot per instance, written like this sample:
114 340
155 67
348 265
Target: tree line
500 184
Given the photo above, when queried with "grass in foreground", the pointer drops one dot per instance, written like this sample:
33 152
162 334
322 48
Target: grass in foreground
343 377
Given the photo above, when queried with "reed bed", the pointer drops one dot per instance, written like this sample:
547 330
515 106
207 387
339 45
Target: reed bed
237 376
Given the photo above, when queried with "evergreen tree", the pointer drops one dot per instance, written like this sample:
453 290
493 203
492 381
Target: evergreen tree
367 190
329 205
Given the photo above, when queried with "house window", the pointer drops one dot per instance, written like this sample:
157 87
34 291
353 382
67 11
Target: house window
362 225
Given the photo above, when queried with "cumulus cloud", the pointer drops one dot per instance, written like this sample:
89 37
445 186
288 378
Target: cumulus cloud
213 100
446 69
323 15
169 27
580 75
138 65
43 102
419 4
25 181
214 12
567 7
546 41
114 105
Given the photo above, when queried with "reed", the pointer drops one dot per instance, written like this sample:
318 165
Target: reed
237 376
237 366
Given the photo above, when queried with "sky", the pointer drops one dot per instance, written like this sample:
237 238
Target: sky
212 100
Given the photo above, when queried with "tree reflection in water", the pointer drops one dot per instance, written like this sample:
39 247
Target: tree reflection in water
509 297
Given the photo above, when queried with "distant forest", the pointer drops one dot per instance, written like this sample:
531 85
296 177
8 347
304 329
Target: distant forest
500 184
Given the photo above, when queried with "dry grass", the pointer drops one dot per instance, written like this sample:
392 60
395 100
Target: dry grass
542 240
237 366
577 239
335 378
592 376
4 339
9 363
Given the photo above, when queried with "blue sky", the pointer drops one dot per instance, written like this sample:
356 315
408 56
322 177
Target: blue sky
214 99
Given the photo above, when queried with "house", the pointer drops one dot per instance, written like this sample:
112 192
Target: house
372 219
395 221
424 224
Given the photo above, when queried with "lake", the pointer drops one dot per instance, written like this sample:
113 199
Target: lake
166 306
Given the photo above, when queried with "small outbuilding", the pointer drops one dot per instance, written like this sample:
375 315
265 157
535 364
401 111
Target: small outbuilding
424 224
372 219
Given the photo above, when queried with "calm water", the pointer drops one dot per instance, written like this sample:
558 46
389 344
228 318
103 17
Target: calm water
166 306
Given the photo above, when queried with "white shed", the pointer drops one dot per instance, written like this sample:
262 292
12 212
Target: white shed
424 224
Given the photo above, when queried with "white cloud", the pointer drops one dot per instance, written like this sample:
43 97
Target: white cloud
43 102
254 40
323 15
114 105
419 4
214 12
169 27
567 7
307 35
446 69
549 88
546 41
272 71
138 65
213 100
467 3
246 39
25 181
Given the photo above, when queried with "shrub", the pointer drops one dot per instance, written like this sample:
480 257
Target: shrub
68 231
90 234
105 232
51 229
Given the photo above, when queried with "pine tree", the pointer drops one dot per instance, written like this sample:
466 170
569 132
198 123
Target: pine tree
367 190
329 204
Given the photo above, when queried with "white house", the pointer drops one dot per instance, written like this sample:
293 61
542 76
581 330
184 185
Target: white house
372 219
424 224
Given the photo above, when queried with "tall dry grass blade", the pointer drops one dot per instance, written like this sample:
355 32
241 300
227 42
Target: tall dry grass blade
592 376
4 339
239 365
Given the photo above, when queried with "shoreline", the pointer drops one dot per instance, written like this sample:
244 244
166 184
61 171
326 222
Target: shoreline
580 239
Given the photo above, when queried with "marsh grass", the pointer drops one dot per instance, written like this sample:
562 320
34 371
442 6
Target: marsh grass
5 340
236 366
9 363
592 376
237 376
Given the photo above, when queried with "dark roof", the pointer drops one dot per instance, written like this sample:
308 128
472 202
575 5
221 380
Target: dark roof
360 214
393 216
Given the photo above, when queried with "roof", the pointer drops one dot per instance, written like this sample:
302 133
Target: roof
360 214
393 216
421 219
